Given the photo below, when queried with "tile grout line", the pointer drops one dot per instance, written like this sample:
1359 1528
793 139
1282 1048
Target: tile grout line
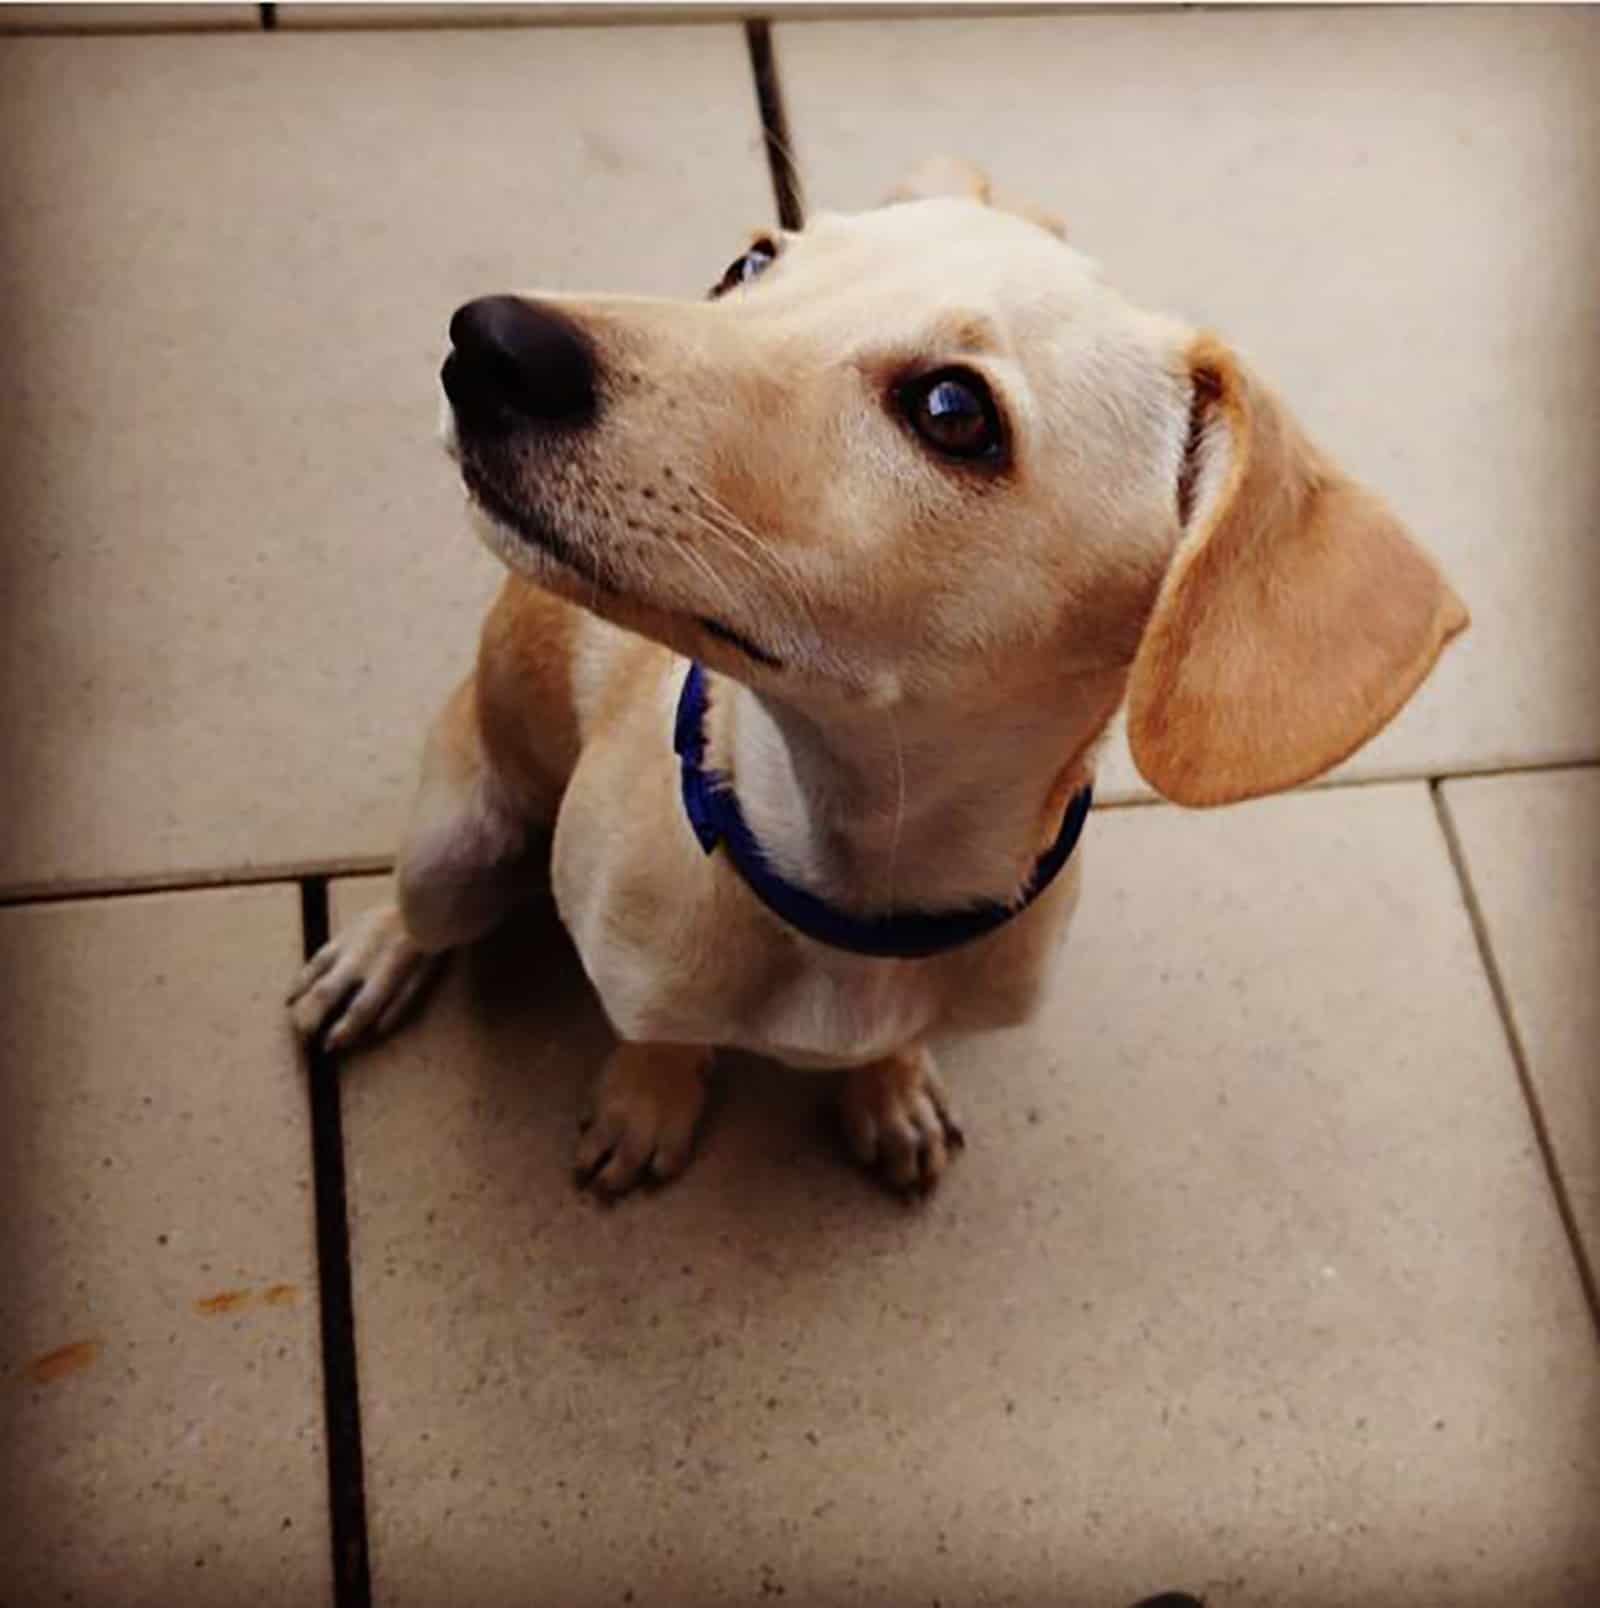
362 866
1519 1055
195 883
1354 784
373 866
781 165
341 1401
151 30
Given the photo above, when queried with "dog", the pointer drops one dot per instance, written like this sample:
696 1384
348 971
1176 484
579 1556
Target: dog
822 593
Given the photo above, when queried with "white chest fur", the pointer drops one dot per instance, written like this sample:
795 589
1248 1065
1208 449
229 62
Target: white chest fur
732 984
832 1012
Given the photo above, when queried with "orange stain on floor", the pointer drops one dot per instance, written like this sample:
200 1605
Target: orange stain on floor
274 1295
211 1306
77 1356
64 1360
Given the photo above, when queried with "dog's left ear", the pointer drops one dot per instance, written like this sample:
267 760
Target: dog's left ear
1297 615
950 176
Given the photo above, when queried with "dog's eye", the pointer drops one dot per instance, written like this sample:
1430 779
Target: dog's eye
742 270
954 413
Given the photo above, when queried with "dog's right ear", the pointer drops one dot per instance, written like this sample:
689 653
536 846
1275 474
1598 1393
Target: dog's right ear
1297 615
950 176
942 176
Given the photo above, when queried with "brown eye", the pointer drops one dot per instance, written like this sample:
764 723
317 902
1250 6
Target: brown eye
953 412
742 270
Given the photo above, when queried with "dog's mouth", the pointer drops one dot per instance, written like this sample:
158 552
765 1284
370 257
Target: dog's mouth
538 533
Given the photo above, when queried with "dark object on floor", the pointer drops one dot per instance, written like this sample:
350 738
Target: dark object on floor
1171 1599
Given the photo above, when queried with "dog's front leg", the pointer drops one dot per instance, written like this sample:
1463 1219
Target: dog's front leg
642 1116
898 1120
468 859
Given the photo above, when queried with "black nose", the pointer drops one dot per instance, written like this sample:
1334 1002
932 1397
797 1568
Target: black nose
516 361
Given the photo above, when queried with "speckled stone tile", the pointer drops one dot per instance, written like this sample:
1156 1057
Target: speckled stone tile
1249 1282
1532 851
1391 211
160 1369
237 581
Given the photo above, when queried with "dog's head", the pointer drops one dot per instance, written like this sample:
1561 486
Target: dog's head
917 454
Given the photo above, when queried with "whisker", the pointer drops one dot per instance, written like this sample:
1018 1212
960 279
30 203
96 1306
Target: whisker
742 553
727 526
736 526
731 548
683 550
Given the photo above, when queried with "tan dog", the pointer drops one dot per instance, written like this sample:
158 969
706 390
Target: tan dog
927 500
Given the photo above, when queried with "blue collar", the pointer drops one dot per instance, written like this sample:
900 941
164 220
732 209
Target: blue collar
714 813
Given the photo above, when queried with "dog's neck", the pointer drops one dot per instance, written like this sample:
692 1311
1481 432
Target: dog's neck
898 809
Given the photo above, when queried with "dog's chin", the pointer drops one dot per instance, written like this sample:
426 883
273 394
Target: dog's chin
531 546
514 550
525 541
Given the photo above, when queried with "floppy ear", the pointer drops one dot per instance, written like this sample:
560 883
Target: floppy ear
950 176
942 175
1297 615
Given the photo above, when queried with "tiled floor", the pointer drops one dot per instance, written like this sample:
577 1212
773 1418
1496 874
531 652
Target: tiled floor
1266 1274
162 1409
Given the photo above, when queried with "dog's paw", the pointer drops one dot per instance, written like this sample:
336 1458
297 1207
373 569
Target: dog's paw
360 982
898 1121
642 1118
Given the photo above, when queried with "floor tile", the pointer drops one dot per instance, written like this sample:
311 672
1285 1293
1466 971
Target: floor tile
160 1384
93 18
1249 1281
1532 851
1390 210
237 581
